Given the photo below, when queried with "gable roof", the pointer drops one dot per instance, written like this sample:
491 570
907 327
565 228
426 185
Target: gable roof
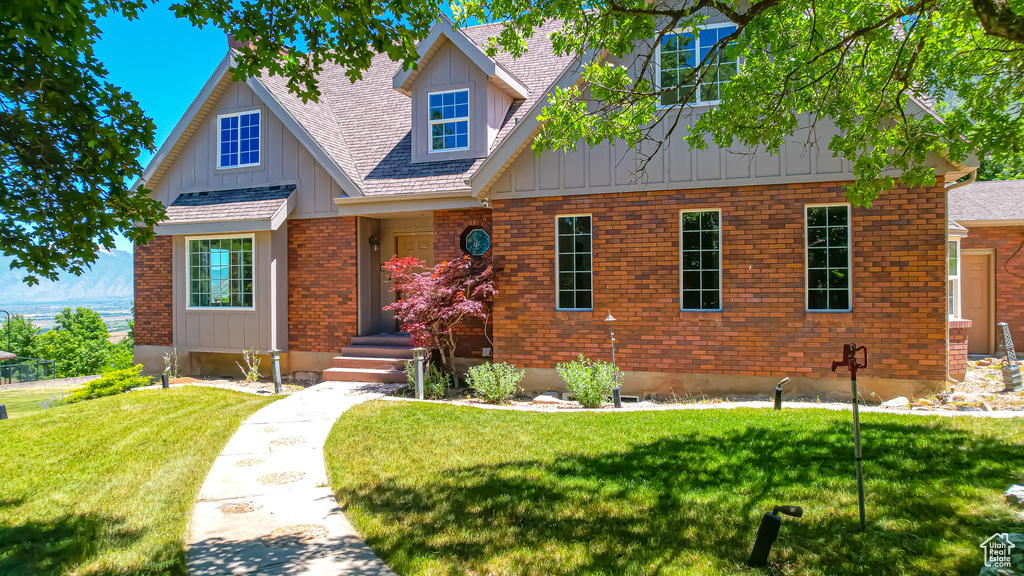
247 209
203 105
444 29
994 201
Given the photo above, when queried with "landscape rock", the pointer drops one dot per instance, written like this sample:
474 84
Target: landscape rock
1015 496
925 402
965 408
986 407
922 408
897 402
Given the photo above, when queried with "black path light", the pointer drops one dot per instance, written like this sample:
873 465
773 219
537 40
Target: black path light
850 361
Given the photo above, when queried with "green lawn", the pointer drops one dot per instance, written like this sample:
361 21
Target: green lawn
23 402
107 486
438 489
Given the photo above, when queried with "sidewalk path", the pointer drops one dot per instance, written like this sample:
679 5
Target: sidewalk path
266 506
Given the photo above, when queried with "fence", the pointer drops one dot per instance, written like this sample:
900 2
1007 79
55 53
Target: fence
18 370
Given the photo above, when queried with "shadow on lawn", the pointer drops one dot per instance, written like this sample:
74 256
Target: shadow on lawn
696 499
60 545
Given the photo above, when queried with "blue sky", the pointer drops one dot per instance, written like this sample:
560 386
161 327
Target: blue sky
163 61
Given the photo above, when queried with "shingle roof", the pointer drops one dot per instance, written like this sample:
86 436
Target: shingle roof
957 226
993 200
226 205
366 125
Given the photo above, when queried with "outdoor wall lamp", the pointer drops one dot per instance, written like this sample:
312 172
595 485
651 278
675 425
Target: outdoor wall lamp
375 243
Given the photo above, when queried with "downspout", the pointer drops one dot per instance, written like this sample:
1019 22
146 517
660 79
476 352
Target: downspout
971 178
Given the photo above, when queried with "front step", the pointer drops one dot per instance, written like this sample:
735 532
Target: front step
357 351
364 375
374 363
400 340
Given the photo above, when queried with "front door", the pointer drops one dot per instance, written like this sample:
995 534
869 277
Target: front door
418 245
977 302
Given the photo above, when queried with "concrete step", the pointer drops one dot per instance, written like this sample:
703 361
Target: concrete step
399 340
363 375
375 363
360 351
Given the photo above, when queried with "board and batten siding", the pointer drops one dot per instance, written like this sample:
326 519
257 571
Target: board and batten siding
283 160
212 330
614 168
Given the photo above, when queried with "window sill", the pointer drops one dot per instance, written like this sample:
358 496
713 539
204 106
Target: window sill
959 323
219 309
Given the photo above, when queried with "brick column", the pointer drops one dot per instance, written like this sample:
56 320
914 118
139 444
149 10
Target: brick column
154 321
958 348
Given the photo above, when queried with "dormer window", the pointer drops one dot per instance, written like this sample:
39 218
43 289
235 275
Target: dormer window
678 57
449 120
238 139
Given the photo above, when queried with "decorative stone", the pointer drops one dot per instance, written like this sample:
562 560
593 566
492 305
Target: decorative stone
288 441
295 535
240 508
250 462
549 398
278 478
1015 496
925 402
897 402
965 408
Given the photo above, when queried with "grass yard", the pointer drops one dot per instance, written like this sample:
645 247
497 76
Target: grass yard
106 486
438 489
23 402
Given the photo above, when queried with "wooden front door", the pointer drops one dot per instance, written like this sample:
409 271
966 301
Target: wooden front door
977 302
418 245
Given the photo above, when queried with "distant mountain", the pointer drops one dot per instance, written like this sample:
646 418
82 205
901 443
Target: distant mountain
108 281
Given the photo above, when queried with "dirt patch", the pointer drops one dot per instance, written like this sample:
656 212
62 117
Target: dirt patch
296 535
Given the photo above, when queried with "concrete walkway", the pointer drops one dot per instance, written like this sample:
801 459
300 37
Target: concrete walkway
266 506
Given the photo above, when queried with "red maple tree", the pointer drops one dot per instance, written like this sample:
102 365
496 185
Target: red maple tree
431 303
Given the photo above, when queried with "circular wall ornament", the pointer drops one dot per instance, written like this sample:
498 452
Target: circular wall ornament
475 241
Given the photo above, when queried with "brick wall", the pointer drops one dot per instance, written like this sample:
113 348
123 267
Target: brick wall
448 227
958 348
1009 273
154 321
898 279
322 288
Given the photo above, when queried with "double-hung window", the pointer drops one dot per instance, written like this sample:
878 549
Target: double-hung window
953 284
449 120
700 263
679 59
828 258
220 272
574 263
238 139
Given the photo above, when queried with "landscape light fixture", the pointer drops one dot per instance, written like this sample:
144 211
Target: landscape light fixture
616 391
275 360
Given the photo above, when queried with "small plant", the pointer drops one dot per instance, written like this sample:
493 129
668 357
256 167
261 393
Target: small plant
435 380
591 381
171 366
111 383
496 382
251 370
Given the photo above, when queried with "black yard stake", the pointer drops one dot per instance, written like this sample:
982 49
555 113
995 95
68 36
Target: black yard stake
850 361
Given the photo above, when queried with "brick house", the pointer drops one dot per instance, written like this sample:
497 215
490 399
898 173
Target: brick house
726 269
987 262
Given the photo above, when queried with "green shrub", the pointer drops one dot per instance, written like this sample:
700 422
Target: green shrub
111 383
435 381
496 382
591 381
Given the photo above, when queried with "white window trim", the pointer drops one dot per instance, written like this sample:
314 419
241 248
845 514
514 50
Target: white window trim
657 68
957 310
721 299
469 123
557 267
849 260
220 134
188 274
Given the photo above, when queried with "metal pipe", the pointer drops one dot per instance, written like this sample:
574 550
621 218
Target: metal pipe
165 380
419 355
856 449
275 360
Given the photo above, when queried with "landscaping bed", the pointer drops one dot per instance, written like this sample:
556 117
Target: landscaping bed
259 386
442 489
107 486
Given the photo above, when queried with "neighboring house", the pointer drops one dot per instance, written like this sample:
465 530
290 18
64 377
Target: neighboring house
990 273
725 270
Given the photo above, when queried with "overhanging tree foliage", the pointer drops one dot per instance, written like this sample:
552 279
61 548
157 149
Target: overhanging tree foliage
70 140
